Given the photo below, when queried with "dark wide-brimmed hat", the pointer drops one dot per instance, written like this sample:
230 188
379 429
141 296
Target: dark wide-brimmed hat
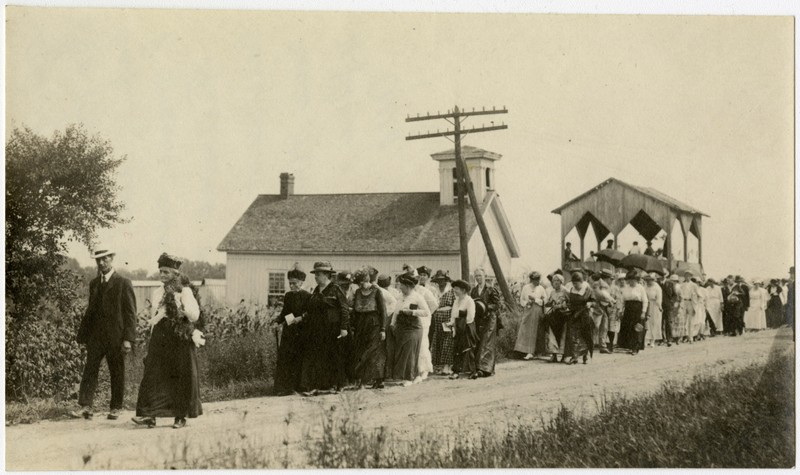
739 279
361 275
324 267
424 270
407 279
441 276
296 273
632 275
461 284
344 276
169 261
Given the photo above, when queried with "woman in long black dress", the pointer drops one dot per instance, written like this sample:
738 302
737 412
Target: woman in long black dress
369 323
326 322
290 351
462 321
580 325
632 327
775 312
170 386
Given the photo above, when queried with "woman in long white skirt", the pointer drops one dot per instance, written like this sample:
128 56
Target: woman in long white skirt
714 304
654 297
755 318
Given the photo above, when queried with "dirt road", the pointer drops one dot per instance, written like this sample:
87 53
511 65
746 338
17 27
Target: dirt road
520 389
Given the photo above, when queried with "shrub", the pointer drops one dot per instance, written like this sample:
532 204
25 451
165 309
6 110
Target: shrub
42 357
248 357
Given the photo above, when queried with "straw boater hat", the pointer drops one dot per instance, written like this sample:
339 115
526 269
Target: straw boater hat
102 250
674 278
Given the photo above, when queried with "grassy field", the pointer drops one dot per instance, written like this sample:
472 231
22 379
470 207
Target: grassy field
740 419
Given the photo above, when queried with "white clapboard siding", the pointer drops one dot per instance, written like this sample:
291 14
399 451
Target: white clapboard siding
247 274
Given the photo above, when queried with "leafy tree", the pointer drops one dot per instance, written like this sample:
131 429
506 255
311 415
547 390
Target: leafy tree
199 270
58 189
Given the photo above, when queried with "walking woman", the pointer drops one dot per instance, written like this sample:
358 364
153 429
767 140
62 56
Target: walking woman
486 326
555 321
369 323
580 325
775 304
714 305
632 329
290 351
755 318
532 299
462 321
677 322
688 297
442 340
170 386
326 322
406 329
654 301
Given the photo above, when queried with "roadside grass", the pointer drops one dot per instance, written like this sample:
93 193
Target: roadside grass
740 419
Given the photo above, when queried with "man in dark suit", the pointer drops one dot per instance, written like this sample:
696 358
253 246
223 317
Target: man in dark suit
108 329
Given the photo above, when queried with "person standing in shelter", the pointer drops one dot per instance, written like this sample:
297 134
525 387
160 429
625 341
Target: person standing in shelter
108 329
532 298
556 318
755 319
610 244
407 331
714 306
488 325
369 332
649 251
442 340
292 346
462 321
654 305
568 254
635 249
170 384
580 326
327 323
632 328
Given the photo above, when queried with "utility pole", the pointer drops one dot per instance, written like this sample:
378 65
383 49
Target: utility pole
463 182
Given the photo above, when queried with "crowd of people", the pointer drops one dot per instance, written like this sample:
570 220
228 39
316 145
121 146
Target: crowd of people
605 311
359 330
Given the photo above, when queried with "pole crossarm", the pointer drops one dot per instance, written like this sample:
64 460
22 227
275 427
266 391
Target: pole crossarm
453 132
452 115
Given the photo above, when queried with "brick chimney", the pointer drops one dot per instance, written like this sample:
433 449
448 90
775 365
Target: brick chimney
287 185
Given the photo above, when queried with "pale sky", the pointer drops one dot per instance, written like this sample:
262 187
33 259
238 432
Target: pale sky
211 106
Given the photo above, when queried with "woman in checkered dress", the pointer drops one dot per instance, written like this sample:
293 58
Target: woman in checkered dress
442 341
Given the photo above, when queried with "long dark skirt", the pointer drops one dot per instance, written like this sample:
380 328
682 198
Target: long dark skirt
580 334
324 359
775 312
290 359
555 325
486 353
628 336
407 336
170 386
370 351
466 341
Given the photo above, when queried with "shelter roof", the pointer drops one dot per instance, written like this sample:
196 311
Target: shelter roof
359 223
650 192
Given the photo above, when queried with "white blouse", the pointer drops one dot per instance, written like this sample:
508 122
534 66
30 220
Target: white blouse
635 293
531 294
405 302
432 301
463 303
185 300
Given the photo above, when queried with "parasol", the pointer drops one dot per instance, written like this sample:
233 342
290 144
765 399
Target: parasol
610 255
645 263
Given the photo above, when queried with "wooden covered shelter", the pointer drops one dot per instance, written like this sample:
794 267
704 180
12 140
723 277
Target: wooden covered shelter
610 206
